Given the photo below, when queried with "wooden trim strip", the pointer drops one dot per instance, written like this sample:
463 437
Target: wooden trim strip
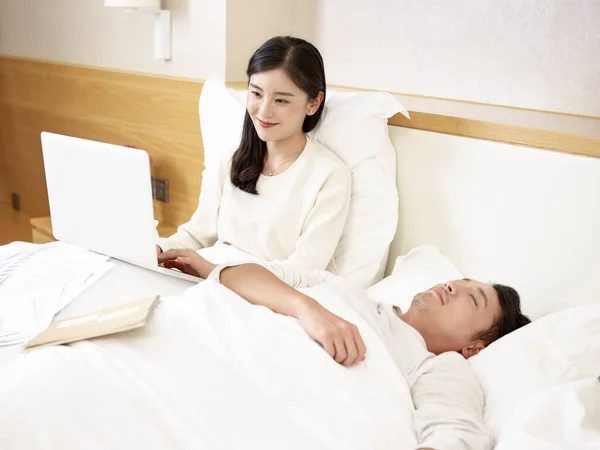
469 102
489 131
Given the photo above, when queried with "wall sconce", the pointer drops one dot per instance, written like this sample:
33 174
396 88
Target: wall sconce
162 22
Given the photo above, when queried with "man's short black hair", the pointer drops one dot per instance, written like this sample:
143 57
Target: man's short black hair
512 317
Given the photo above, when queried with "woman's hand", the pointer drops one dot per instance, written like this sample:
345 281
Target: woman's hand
186 260
339 338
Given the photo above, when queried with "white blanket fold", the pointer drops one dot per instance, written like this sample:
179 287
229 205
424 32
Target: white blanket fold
210 371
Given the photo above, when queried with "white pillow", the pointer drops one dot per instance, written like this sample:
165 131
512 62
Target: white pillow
562 417
418 270
354 127
521 368
221 118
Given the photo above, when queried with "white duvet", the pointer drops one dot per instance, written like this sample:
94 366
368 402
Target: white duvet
209 371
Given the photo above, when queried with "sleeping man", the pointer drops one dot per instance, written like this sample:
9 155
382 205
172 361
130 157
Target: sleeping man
430 342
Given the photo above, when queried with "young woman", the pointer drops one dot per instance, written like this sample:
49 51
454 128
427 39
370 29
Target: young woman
282 196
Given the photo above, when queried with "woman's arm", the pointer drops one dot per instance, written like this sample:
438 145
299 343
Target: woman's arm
339 338
257 285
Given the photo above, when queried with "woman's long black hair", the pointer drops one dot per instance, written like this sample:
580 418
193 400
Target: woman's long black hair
303 63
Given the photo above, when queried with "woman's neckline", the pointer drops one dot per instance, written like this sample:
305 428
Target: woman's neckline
291 166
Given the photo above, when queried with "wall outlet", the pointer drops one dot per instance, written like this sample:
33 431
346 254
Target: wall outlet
160 189
15 200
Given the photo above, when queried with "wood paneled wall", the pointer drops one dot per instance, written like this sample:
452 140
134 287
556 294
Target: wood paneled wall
159 115
3 172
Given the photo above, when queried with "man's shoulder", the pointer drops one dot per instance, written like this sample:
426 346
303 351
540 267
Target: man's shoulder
445 363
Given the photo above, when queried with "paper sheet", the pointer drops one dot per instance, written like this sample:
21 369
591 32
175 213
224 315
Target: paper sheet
13 262
40 280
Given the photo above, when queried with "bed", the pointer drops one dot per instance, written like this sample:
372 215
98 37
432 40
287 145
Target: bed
206 372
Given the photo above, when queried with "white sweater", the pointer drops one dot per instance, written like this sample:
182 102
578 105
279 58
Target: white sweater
297 217
447 397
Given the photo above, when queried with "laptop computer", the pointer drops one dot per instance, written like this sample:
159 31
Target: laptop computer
100 199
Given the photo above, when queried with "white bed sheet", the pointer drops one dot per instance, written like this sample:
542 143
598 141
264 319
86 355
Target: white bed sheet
207 373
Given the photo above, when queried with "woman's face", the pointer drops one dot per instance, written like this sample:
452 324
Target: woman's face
277 106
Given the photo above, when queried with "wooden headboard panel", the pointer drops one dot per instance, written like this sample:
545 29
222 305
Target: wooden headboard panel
159 115
3 172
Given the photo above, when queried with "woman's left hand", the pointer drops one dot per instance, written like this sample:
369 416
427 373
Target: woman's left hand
186 260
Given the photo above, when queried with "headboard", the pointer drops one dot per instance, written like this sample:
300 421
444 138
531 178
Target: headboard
503 213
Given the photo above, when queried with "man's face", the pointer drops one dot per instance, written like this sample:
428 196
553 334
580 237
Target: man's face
449 315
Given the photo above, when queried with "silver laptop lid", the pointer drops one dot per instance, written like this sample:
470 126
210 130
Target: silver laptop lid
100 197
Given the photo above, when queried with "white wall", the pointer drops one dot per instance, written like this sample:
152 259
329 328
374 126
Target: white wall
86 32
503 213
540 54
249 24
209 36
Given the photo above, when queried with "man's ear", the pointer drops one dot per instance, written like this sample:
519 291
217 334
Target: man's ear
472 349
